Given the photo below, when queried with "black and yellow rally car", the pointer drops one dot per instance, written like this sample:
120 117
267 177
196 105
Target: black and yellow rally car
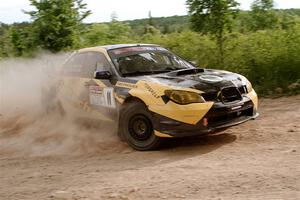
154 93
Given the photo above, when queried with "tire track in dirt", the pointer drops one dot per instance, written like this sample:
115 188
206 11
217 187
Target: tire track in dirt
255 160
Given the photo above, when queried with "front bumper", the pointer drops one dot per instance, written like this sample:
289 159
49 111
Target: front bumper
219 117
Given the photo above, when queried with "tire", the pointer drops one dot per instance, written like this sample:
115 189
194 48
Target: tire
136 127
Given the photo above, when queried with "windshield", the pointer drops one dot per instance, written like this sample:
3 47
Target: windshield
148 62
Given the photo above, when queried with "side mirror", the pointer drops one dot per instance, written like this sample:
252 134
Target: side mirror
102 75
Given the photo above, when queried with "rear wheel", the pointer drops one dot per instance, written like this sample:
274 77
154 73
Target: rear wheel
136 127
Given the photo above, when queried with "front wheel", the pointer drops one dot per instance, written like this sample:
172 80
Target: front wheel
136 127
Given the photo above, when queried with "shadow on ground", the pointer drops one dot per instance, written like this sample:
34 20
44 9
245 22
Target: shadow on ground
173 150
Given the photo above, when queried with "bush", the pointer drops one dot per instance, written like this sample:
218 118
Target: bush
270 59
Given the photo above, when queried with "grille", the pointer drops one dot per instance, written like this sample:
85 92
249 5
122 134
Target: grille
230 94
228 117
210 96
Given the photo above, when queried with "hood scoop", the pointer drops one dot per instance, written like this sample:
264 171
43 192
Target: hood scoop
170 78
186 72
190 71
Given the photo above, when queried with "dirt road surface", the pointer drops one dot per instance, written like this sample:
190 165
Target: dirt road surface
256 160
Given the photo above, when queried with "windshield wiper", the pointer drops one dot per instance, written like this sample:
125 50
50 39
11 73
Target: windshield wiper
174 68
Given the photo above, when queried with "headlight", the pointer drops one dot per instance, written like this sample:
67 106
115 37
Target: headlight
248 86
246 83
184 97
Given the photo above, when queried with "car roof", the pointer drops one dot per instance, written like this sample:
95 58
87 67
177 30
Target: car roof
118 46
105 48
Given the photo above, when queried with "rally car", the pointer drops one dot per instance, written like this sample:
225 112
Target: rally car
153 93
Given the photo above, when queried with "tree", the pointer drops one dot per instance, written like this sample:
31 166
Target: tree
118 31
263 15
150 27
214 17
150 18
96 34
21 40
108 33
58 23
3 28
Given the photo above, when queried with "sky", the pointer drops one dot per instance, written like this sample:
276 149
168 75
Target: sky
11 10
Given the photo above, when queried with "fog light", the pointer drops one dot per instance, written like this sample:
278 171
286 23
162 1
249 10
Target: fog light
205 121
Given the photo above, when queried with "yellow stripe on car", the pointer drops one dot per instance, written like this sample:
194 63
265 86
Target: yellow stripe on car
150 94
253 96
159 134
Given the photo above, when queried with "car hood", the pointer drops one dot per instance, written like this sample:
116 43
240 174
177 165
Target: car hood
206 80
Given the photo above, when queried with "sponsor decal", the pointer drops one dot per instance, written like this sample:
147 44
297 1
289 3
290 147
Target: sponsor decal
102 97
125 85
152 91
136 49
119 98
210 78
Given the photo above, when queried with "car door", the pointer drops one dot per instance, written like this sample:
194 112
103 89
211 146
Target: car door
101 94
83 95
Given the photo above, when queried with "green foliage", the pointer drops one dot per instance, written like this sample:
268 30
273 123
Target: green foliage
3 28
22 41
96 34
3 47
263 15
270 59
163 24
119 31
214 17
291 11
188 44
269 55
17 40
287 19
57 23
109 33
3 40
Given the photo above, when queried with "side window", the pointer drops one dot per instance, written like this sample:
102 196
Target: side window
85 64
94 61
73 66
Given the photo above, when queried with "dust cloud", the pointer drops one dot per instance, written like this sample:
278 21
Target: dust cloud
28 128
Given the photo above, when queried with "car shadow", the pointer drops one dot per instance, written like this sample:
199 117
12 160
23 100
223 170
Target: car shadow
195 146
118 156
187 146
202 142
172 151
